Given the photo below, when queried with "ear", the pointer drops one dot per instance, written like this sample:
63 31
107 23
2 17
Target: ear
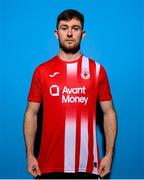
56 34
83 34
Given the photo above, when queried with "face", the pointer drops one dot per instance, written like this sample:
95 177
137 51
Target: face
69 34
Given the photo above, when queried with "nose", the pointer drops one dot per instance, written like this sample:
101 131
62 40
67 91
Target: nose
69 32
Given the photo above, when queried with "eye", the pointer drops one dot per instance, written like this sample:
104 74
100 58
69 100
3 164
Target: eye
63 28
76 28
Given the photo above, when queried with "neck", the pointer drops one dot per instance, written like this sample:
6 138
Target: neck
69 56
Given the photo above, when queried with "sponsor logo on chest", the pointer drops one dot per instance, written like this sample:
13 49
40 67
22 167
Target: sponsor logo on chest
70 95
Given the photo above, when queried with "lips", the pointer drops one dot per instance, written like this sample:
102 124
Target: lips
71 40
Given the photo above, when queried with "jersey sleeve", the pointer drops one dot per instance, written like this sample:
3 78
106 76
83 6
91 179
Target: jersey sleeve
35 93
104 93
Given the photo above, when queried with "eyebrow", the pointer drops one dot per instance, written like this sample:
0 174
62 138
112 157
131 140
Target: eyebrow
72 25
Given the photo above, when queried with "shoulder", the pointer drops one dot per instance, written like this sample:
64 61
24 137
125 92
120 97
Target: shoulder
102 68
45 65
93 62
97 66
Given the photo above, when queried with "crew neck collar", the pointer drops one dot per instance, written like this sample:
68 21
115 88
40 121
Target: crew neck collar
71 61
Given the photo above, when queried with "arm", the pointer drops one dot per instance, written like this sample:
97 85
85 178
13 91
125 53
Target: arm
110 130
30 127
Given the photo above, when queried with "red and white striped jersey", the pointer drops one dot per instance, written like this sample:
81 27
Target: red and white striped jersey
69 92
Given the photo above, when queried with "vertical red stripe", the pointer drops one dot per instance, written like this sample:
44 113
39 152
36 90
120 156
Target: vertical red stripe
78 122
90 163
78 129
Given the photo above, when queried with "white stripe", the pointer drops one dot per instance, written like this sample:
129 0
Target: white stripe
85 64
95 150
97 70
71 70
95 171
84 143
70 141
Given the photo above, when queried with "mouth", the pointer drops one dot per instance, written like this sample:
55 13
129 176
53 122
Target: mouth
70 40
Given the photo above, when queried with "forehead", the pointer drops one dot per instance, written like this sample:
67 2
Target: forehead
71 22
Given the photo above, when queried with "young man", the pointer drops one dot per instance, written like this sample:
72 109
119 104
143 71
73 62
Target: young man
69 86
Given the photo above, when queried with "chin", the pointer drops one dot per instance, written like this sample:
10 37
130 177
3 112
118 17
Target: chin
70 48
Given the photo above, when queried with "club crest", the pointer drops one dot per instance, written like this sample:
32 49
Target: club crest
85 75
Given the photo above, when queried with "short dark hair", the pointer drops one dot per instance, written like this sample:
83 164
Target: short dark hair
69 14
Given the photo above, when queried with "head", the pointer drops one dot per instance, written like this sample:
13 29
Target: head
69 30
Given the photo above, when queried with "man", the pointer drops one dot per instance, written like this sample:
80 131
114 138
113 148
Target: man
69 86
